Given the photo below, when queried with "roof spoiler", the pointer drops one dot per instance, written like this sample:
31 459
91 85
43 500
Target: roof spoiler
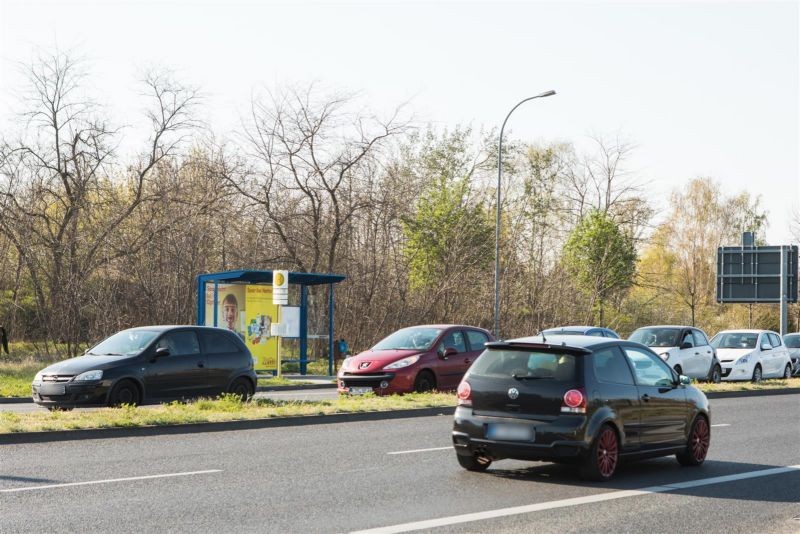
518 345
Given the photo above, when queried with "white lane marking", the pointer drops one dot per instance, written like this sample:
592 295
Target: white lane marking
422 450
719 425
576 501
110 480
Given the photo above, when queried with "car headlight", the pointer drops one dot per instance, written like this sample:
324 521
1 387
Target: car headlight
89 375
743 360
38 377
405 362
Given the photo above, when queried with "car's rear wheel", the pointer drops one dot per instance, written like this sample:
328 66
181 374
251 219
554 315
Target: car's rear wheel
601 462
787 373
757 374
241 388
716 374
425 381
124 392
474 462
697 444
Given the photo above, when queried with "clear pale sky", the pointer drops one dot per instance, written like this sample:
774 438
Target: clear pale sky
702 89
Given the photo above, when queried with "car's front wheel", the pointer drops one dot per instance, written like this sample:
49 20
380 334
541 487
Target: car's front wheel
425 381
124 392
757 373
601 462
697 444
474 462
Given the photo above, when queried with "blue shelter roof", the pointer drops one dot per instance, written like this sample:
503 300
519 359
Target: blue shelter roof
265 277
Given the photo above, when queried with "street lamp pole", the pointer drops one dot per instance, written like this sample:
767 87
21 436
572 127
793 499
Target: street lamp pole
497 223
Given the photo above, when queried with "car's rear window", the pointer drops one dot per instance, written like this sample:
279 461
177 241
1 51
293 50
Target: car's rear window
505 363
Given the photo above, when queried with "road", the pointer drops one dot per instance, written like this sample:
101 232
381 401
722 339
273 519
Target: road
353 476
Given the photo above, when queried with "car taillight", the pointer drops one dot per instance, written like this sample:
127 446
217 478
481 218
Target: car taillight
464 394
574 401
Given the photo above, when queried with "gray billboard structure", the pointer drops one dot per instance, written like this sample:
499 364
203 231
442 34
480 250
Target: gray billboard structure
754 275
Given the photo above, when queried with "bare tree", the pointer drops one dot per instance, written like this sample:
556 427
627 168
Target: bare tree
63 192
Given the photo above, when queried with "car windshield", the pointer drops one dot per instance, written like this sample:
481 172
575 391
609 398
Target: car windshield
525 365
417 338
734 340
124 343
657 337
792 342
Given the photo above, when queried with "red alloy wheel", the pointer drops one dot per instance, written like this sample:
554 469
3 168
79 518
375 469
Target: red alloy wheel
607 453
700 440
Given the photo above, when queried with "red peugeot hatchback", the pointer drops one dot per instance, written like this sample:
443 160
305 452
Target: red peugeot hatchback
418 358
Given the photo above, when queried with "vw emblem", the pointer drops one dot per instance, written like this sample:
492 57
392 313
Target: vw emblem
364 365
513 393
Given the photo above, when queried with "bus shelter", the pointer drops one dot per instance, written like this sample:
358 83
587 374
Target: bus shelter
242 301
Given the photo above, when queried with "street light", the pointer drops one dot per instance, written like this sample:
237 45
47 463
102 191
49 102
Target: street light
497 224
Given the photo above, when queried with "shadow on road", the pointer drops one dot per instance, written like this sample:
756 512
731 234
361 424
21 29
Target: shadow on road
27 479
665 471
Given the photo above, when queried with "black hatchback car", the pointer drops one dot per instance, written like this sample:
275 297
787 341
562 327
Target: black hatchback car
150 363
577 399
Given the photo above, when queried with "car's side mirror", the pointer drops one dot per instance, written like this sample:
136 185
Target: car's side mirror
765 346
161 352
685 380
686 345
446 353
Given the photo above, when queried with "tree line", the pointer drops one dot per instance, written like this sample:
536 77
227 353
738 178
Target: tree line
101 229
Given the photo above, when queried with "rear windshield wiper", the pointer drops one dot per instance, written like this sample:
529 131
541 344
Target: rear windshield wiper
529 377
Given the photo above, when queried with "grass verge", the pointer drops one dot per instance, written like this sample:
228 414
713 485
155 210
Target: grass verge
772 383
227 408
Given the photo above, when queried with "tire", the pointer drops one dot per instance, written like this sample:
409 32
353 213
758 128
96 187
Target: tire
242 388
124 392
679 370
602 460
474 462
425 381
787 373
697 443
757 373
716 375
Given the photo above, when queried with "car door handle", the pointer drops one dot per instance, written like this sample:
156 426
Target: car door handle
646 397
467 361
697 354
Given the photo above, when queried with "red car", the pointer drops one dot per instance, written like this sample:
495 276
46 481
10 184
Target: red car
418 358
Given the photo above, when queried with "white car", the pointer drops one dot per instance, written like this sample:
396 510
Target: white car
684 348
752 355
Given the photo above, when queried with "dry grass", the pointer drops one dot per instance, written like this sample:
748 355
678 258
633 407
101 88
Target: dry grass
772 383
227 408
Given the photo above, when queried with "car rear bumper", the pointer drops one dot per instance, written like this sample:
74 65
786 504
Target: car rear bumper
74 394
561 439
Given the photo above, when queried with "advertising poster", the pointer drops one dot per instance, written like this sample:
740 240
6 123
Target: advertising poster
260 315
231 304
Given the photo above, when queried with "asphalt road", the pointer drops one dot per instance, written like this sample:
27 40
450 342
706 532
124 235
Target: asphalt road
352 476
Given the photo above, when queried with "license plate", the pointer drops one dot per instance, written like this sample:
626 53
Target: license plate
510 432
52 389
359 391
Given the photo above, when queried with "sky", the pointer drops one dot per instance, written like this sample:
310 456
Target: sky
701 88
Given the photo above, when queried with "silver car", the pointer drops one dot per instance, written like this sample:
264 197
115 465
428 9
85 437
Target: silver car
792 342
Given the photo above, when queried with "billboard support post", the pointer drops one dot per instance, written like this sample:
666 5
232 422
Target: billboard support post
784 287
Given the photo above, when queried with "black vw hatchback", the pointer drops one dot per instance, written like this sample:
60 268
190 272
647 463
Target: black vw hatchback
577 399
150 363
